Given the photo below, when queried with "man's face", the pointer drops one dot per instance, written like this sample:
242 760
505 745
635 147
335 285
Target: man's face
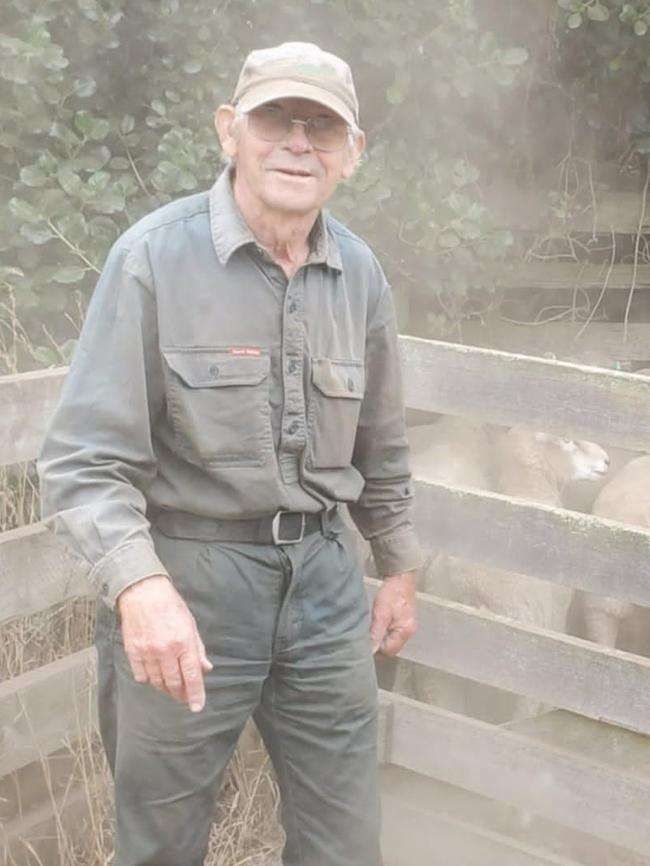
289 175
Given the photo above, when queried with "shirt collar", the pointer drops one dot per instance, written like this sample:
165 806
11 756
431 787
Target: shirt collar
230 231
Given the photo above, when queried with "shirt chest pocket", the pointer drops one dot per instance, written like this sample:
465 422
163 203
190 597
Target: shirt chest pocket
335 402
219 405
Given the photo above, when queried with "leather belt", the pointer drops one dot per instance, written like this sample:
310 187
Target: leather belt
283 527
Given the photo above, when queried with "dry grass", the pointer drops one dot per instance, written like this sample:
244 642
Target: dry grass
72 787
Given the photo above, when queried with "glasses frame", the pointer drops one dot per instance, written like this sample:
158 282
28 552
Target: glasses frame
350 131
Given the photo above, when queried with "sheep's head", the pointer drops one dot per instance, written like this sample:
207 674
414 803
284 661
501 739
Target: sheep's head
573 459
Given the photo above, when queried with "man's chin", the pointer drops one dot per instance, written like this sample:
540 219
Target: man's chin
294 205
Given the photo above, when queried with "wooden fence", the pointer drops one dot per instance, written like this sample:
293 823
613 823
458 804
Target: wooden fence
457 791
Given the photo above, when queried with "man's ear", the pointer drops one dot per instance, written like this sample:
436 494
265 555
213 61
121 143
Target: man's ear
224 119
355 152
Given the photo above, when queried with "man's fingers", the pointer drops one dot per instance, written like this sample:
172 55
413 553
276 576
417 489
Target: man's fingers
190 664
155 674
173 678
206 664
378 627
396 637
139 670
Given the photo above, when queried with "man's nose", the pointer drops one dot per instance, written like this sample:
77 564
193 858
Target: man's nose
297 141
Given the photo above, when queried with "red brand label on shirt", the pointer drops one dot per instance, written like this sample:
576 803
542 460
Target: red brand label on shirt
245 351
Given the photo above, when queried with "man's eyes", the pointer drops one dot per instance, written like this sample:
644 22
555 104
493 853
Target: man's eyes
318 122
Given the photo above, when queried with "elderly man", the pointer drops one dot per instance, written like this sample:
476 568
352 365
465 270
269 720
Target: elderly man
236 378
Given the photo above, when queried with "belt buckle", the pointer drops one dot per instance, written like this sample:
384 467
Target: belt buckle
275 528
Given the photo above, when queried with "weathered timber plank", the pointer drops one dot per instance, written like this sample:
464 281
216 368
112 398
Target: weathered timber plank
53 832
416 833
497 763
566 547
503 388
530 210
37 571
42 710
571 275
608 744
27 400
433 797
600 343
556 669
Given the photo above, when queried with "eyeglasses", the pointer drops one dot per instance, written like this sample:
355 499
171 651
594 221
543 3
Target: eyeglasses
272 123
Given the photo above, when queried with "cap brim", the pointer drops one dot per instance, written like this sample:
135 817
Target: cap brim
282 89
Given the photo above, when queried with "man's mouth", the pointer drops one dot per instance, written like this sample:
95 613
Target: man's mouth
294 172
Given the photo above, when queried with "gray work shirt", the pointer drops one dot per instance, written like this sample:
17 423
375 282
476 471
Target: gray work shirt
205 381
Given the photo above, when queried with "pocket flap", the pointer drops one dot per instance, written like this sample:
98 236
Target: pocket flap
214 368
338 378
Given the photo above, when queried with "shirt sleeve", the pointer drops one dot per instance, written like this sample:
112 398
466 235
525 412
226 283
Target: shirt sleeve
381 452
97 458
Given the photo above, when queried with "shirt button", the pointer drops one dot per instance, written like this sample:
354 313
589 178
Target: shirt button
293 366
213 370
292 307
104 589
291 429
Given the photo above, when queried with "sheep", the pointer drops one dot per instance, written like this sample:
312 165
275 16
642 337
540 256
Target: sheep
517 462
605 620
625 499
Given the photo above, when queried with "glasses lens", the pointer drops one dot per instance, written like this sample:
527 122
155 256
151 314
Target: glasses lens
327 133
269 123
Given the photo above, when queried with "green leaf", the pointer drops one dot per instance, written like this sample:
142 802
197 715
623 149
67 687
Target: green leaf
192 67
69 180
32 175
111 200
574 21
469 230
23 210
448 240
99 181
458 202
394 94
598 12
100 129
640 27
514 56
70 274
127 124
464 173
45 356
104 229
85 87
119 163
73 227
53 202
93 159
37 233
159 106
83 121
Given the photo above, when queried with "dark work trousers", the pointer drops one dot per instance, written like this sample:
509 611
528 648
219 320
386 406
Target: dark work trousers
287 630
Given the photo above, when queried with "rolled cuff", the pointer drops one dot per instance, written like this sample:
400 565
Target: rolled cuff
397 552
124 566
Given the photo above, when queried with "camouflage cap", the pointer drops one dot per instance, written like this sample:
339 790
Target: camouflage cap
299 69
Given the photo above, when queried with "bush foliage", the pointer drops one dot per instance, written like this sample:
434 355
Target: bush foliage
108 106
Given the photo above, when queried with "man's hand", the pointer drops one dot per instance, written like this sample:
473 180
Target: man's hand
162 641
393 614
